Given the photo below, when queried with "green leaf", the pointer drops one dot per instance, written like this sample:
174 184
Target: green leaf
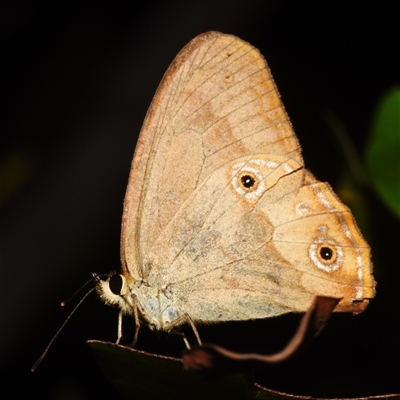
382 153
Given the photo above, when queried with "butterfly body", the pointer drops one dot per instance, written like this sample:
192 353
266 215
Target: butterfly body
221 219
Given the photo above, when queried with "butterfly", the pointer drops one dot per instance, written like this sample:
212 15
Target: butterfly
221 219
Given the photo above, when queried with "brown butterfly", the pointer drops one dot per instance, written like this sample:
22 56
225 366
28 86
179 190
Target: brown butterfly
221 220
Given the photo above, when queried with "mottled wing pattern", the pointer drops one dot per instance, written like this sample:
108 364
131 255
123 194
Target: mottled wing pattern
220 214
217 102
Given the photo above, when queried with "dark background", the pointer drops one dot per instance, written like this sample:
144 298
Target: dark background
76 82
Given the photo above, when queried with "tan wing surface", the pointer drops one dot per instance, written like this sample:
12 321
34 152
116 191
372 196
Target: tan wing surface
229 254
216 103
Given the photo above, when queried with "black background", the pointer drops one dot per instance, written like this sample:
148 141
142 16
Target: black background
76 82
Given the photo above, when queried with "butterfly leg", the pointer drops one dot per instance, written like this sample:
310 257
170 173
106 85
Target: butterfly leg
196 333
184 338
119 327
137 324
186 318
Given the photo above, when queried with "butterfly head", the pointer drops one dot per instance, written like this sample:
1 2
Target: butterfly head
115 291
151 304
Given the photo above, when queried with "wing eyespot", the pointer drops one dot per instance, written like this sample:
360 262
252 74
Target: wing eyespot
247 181
326 254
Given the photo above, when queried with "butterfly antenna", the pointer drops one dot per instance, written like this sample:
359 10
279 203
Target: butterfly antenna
95 277
40 359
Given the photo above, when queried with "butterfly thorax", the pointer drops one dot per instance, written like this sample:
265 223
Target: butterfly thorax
155 305
152 302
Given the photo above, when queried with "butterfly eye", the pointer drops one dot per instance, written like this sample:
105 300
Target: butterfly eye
326 254
116 283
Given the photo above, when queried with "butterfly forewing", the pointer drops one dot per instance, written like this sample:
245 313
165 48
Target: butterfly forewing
217 102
